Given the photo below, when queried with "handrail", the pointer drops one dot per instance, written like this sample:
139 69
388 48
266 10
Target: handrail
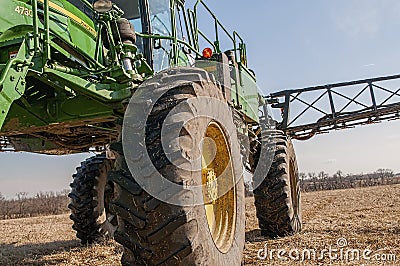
47 30
237 40
35 26
161 37
208 40
194 28
242 48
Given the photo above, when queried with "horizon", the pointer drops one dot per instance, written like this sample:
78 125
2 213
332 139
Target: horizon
289 45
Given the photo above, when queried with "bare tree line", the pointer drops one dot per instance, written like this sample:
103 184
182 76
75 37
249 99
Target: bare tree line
52 203
43 203
339 180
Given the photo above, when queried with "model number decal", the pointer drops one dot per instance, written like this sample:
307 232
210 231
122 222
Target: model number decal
23 11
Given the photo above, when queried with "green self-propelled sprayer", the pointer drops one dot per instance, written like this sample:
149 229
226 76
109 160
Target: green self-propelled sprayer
173 125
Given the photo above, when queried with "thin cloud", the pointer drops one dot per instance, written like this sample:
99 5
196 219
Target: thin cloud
358 18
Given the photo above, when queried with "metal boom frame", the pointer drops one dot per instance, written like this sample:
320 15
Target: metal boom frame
336 118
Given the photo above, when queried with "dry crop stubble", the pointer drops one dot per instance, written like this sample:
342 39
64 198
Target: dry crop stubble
365 217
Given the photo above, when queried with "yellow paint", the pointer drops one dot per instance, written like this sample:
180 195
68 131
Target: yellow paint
71 16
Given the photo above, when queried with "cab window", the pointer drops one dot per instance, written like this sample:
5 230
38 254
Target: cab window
160 19
185 56
132 13
81 6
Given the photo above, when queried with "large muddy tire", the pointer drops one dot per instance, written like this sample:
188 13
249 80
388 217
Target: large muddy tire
89 198
277 198
154 232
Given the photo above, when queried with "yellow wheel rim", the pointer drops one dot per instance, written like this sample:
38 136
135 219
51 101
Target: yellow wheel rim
219 190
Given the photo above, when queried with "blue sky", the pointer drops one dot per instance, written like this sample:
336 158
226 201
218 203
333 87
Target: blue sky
290 44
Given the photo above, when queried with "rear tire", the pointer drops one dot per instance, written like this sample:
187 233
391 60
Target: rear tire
277 198
89 198
154 232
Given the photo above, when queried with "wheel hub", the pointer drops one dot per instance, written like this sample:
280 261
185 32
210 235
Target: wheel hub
210 179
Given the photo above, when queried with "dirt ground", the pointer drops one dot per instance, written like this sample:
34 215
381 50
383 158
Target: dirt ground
359 226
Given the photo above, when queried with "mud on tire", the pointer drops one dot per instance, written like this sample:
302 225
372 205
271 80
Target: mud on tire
89 200
154 232
277 198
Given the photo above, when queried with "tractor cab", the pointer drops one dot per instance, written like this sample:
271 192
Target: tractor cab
153 18
168 35
154 30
